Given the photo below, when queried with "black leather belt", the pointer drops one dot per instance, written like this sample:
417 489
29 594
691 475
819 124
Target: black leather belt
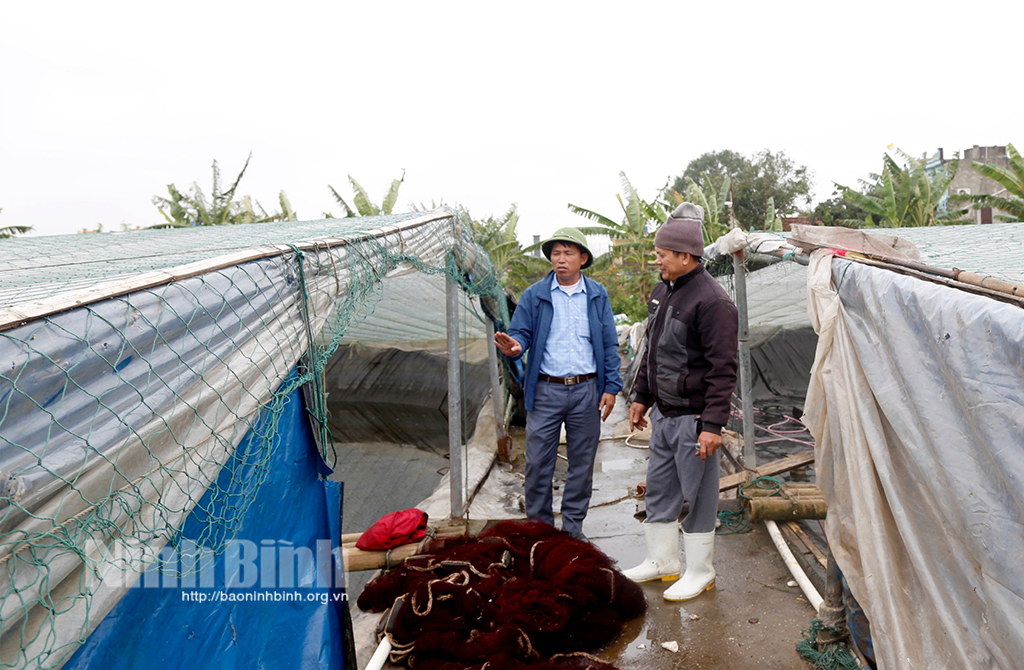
568 381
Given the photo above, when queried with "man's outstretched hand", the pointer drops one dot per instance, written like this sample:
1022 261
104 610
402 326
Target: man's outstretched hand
507 344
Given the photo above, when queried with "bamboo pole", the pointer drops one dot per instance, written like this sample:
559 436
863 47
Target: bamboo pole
944 277
439 533
357 559
832 611
779 508
992 287
990 283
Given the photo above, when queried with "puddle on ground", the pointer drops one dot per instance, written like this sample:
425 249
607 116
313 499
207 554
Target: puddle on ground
639 645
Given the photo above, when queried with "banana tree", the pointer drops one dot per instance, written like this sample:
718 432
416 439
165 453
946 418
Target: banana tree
772 222
361 199
713 200
634 233
905 196
185 210
250 211
1012 181
11 231
498 236
181 209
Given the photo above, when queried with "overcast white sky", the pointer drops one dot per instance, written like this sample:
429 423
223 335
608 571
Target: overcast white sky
485 104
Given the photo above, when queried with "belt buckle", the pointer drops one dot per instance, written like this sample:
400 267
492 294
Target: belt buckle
572 381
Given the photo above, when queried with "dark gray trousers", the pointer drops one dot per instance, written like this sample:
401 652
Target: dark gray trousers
675 473
577 407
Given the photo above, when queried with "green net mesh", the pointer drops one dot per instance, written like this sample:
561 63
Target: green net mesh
132 365
834 656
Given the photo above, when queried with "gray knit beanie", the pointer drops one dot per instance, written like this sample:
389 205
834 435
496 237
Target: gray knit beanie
683 231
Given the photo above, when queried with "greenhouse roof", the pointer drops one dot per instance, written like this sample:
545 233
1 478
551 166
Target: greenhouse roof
777 295
36 268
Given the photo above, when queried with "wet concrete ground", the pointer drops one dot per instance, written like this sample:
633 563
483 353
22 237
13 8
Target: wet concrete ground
752 619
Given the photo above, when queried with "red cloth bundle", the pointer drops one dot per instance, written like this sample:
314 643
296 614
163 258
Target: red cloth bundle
393 530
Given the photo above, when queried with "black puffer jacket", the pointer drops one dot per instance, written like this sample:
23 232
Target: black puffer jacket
690 361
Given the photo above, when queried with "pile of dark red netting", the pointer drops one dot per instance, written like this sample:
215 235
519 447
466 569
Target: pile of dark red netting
519 595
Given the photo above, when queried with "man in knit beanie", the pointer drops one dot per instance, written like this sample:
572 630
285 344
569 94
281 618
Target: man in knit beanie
686 379
683 232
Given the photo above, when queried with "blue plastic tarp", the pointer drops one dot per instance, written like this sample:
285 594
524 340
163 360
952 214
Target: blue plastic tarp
268 595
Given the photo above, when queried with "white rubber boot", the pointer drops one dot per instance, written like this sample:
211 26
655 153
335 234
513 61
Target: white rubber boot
662 560
700 573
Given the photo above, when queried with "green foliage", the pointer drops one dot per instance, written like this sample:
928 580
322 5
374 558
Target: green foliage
712 198
773 181
185 210
756 180
11 231
623 289
287 213
361 199
905 196
838 211
513 267
771 221
1012 181
716 165
625 270
632 235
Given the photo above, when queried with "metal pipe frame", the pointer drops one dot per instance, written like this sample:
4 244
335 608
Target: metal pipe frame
456 448
746 382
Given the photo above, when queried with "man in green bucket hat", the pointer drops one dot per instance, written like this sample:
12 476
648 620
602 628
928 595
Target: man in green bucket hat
565 323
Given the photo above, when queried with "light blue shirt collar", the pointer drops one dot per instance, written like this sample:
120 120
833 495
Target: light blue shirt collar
582 284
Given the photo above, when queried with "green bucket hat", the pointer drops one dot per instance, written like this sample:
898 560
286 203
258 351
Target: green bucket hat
568 235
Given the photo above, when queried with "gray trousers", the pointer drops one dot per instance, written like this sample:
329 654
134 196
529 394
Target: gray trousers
675 473
577 407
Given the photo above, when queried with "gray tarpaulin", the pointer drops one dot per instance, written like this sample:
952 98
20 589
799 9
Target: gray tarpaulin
132 371
916 403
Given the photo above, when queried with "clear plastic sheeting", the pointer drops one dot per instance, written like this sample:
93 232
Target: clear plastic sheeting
411 315
916 403
388 380
397 396
781 338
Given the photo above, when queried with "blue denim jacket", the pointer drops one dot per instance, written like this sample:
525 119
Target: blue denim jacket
531 324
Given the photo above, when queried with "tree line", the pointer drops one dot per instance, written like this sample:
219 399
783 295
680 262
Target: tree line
751 192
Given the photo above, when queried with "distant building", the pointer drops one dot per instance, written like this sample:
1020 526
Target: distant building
789 221
968 182
537 251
